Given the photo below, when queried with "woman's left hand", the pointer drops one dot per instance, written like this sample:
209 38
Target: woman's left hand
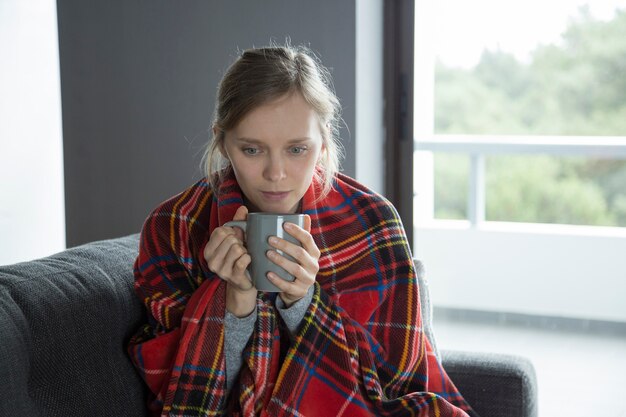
304 269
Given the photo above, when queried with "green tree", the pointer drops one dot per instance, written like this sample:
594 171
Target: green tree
562 199
577 87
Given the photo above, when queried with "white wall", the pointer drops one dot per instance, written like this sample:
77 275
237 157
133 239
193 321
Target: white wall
549 270
32 222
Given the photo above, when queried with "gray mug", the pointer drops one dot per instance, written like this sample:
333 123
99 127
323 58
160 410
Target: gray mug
259 227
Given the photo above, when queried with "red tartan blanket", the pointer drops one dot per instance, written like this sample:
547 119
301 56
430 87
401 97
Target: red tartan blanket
360 349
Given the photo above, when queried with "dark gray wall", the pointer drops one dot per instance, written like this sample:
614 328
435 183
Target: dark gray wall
139 80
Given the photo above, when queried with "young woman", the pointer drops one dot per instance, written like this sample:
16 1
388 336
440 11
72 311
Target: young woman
345 337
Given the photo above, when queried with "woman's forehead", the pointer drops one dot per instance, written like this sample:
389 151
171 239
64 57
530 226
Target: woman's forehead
289 118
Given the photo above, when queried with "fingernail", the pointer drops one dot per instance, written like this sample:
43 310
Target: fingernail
288 225
273 240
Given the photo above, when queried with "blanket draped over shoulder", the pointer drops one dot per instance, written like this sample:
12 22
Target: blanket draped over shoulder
359 351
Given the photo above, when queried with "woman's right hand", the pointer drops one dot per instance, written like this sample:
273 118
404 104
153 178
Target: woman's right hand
226 255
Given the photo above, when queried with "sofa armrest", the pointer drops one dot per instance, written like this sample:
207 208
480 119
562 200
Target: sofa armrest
495 385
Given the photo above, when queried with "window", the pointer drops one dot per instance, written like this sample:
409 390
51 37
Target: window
520 159
520 129
572 84
32 215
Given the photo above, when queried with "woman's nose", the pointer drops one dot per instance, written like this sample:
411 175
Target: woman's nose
274 169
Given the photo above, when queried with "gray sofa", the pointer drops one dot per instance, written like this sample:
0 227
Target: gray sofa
65 321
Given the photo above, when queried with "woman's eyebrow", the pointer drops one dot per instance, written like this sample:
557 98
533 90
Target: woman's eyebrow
260 142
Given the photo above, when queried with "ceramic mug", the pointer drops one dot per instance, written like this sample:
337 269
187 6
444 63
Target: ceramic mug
259 227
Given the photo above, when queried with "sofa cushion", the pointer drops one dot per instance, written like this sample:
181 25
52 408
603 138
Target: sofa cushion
64 324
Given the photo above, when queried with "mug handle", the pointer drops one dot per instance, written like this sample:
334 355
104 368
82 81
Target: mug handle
237 223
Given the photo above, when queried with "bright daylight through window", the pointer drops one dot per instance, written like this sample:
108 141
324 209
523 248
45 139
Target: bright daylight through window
531 70
520 186
520 161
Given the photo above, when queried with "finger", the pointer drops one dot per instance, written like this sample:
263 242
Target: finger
240 214
285 247
218 263
293 268
307 223
304 237
289 287
308 260
217 237
238 232
241 265
235 251
238 265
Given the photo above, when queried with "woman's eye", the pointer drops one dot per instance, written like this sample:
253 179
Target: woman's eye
297 150
250 151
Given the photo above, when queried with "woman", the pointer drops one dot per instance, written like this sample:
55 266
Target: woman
345 337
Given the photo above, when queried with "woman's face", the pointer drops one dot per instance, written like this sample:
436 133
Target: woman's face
273 151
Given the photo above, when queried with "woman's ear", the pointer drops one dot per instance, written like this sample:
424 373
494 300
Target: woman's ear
218 135
322 154
328 137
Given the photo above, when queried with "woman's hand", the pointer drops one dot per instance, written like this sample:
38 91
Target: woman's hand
304 269
226 255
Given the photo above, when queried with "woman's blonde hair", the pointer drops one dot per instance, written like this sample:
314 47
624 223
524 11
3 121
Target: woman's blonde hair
262 75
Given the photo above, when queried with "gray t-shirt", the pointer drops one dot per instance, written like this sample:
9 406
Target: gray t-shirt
238 330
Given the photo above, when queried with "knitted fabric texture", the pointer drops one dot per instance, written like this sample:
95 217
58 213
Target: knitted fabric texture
359 351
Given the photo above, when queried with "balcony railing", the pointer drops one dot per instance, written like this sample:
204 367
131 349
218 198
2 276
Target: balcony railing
477 147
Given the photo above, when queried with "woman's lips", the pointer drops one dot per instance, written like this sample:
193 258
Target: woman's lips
275 196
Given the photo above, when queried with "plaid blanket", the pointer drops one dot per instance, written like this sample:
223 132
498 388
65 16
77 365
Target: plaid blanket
360 349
